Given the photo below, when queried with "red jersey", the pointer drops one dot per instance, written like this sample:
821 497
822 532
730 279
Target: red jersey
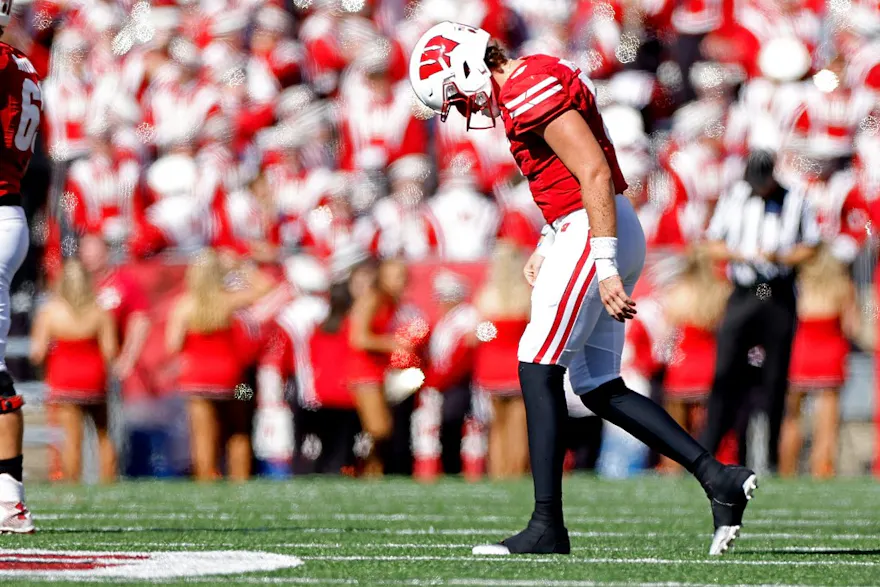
20 105
541 89
120 294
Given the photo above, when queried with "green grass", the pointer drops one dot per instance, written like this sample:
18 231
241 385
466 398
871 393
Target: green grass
397 532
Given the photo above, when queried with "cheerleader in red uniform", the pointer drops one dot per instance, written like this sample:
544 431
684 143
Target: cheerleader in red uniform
76 339
200 330
503 305
693 308
372 343
827 311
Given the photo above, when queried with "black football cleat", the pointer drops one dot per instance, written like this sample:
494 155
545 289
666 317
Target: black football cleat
729 492
537 538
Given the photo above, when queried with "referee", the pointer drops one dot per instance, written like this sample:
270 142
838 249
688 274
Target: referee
763 231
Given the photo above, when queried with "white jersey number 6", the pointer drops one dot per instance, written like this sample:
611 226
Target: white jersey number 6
30 116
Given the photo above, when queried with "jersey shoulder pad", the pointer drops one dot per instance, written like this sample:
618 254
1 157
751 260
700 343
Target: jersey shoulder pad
536 97
14 63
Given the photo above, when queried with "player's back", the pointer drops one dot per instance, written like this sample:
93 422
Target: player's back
538 91
20 104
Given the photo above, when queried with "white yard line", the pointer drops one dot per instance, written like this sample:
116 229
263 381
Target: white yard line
460 581
389 518
466 581
836 549
571 583
594 561
332 546
489 532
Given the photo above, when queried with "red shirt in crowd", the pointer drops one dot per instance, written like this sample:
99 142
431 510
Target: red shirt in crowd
300 347
450 355
120 294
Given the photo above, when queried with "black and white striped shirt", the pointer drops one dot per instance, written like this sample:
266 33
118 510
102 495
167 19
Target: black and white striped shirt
755 227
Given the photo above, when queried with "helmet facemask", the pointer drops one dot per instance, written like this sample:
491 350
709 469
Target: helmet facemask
476 108
5 13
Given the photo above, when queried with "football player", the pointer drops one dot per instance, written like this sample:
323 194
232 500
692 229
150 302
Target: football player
20 108
582 272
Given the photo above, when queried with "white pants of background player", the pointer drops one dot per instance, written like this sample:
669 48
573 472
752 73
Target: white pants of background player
569 325
14 241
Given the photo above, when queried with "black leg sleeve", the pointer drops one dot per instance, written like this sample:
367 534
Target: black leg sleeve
645 420
544 397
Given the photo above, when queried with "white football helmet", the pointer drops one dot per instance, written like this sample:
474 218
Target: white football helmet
447 68
5 12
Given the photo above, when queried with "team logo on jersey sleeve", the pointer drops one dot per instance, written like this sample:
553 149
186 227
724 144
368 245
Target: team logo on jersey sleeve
434 56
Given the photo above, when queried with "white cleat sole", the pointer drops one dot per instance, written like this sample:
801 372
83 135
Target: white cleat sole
723 540
750 486
725 536
491 550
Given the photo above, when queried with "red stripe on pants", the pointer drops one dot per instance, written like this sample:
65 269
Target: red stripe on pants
560 311
574 316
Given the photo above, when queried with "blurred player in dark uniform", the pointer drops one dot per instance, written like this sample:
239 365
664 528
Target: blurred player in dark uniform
581 273
20 109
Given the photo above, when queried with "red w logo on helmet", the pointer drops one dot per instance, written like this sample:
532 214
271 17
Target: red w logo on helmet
434 54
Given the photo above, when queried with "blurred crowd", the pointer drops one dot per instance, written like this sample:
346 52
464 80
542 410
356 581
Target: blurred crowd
285 133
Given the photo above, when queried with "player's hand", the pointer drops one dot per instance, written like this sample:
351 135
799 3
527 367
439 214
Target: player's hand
619 306
533 265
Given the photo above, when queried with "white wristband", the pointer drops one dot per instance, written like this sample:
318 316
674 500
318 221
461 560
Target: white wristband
604 251
604 247
605 268
548 236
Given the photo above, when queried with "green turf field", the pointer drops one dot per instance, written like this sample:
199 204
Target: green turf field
396 532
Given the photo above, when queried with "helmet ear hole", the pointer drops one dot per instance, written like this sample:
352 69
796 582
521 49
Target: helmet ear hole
467 69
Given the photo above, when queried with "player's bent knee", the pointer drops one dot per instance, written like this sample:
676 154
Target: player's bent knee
601 392
603 384
9 400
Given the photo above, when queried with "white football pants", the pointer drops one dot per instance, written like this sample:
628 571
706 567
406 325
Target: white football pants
569 325
14 240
